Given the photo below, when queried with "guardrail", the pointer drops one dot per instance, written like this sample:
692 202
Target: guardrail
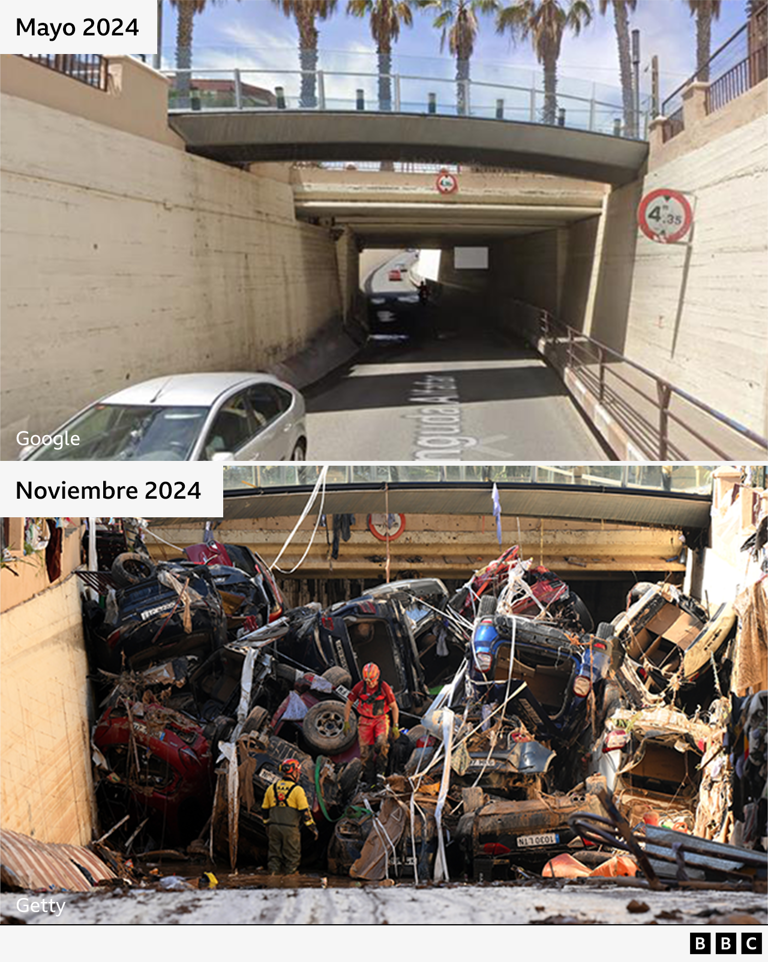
738 64
670 478
590 362
237 90
738 80
90 69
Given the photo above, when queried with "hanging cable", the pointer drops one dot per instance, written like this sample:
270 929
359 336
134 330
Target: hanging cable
319 484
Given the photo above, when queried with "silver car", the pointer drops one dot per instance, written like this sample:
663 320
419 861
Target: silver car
186 417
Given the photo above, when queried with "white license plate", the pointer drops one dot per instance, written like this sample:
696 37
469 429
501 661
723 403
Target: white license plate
548 838
151 612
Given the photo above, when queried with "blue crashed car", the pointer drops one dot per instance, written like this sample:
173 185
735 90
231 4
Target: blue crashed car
562 673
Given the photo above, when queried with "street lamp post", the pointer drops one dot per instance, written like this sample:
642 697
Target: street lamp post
636 71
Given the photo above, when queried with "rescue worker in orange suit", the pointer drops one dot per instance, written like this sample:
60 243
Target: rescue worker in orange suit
375 700
285 805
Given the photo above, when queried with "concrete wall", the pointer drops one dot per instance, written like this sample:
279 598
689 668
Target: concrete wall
472 284
694 315
348 261
135 100
697 314
125 259
615 258
551 269
45 771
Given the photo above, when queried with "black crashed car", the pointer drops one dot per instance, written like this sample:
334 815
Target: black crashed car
175 611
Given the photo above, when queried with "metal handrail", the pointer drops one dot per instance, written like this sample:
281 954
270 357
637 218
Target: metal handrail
664 389
89 69
761 12
592 105
394 76
738 80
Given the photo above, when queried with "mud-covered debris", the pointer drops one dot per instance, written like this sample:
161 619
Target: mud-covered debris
637 908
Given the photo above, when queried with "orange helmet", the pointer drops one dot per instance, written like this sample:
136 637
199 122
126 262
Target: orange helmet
291 768
371 674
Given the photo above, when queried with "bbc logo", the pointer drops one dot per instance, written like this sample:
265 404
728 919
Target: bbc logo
726 942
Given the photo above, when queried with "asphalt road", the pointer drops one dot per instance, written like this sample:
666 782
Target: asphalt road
455 393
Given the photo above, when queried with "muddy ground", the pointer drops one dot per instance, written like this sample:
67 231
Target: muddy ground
269 901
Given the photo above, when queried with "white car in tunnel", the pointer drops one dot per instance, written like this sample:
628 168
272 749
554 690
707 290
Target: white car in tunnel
186 417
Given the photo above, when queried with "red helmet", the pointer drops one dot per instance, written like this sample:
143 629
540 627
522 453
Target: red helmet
291 768
371 674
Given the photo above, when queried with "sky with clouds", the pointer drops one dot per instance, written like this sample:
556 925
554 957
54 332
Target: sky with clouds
256 34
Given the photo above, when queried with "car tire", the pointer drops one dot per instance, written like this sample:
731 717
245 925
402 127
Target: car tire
323 728
255 721
581 611
299 452
338 676
487 606
131 568
350 776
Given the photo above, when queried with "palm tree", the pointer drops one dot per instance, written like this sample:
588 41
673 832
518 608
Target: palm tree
184 28
621 10
457 19
306 13
545 22
705 12
386 17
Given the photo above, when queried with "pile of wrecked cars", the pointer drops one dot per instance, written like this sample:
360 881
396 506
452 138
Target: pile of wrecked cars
521 719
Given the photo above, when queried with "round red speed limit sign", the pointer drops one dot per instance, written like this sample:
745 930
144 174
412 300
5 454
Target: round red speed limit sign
447 183
665 216
386 527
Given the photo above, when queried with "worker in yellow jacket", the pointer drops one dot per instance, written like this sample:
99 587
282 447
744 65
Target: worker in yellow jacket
285 806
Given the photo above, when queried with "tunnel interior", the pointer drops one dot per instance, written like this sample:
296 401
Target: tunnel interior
604 595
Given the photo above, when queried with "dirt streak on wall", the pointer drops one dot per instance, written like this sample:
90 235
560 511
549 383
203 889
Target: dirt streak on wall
124 259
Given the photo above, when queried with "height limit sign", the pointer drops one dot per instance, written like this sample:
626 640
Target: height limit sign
665 216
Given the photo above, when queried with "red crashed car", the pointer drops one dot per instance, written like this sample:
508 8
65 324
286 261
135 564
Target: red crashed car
240 556
156 763
546 589
315 710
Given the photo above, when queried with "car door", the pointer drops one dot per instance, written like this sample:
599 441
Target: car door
271 411
232 431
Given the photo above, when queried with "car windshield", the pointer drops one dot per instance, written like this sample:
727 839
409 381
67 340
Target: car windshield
113 432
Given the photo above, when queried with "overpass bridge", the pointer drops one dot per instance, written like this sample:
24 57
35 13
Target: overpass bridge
495 124
601 526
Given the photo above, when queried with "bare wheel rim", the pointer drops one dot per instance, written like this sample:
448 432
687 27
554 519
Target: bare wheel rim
329 724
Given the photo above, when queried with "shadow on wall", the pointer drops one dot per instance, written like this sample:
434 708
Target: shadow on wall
580 255
616 268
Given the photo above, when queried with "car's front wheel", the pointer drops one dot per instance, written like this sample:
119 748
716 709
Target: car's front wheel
323 728
299 453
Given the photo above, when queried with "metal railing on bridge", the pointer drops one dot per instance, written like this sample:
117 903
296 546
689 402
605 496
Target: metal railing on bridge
339 90
673 478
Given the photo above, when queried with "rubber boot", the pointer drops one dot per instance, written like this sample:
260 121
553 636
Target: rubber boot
369 773
381 769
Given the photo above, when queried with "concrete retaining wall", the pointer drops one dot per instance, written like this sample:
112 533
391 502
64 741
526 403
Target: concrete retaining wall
124 259
46 787
697 315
